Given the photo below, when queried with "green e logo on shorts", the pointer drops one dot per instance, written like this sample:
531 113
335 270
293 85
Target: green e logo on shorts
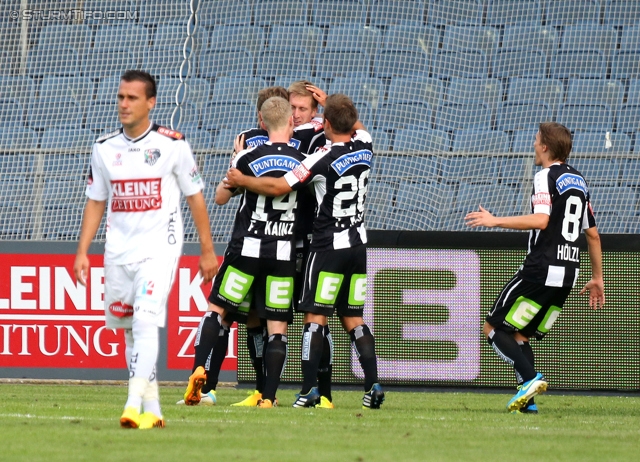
279 292
549 319
522 312
328 287
235 284
358 290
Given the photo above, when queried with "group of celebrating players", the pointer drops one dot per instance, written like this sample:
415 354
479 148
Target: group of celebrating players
298 242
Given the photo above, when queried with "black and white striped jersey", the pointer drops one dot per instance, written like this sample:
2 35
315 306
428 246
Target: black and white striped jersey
264 227
553 257
340 174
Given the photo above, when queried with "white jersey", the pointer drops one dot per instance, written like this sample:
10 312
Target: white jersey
141 179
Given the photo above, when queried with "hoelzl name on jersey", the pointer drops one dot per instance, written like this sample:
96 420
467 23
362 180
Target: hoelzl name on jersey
136 195
345 162
273 163
569 181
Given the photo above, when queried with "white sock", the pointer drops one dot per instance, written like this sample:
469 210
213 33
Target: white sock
144 356
151 399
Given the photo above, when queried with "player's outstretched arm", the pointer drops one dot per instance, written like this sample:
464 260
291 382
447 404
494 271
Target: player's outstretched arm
485 218
93 211
267 186
208 260
595 286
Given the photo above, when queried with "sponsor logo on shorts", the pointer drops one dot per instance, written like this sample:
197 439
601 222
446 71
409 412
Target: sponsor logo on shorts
346 161
136 195
569 181
121 310
151 156
273 163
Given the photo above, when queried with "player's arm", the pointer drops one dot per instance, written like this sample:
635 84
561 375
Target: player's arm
223 194
485 218
319 95
267 186
208 261
595 286
93 211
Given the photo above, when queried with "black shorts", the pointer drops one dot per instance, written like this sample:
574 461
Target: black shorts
335 280
527 307
264 284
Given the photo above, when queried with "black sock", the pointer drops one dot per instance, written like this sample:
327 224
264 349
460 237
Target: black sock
255 344
526 349
206 338
274 360
364 343
325 367
216 358
508 349
312 340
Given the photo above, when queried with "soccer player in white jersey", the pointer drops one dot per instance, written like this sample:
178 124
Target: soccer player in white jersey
137 173
335 277
532 300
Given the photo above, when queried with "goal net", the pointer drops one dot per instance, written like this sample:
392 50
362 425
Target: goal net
451 90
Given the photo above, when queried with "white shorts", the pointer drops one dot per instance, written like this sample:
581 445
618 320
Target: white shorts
138 290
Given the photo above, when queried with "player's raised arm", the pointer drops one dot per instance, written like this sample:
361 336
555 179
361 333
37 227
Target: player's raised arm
267 186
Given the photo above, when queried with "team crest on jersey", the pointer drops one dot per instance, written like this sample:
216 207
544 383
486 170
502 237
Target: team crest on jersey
118 160
568 181
273 163
256 141
151 156
351 159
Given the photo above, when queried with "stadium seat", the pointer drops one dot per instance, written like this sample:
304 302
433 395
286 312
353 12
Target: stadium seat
517 170
498 199
216 115
249 38
290 12
78 88
175 117
20 88
629 120
380 197
633 97
58 112
579 63
224 138
307 38
226 12
590 37
529 37
588 91
198 139
331 64
393 168
394 63
76 36
567 12
465 64
11 112
272 64
386 13
329 13
408 37
100 63
227 63
630 172
166 57
14 214
597 171
451 117
487 91
381 141
621 13
107 89
477 141
479 169
358 37
502 13
546 91
42 62
237 89
360 89
64 171
455 12
621 200
162 11
14 137
127 10
416 89
423 201
523 115
586 117
425 141
589 142
394 116
102 118
78 138
523 140
611 222
406 50
626 61
471 38
513 62
135 38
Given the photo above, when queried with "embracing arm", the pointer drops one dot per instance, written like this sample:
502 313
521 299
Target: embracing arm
267 186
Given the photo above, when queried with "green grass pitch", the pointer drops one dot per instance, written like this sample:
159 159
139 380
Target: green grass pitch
80 422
